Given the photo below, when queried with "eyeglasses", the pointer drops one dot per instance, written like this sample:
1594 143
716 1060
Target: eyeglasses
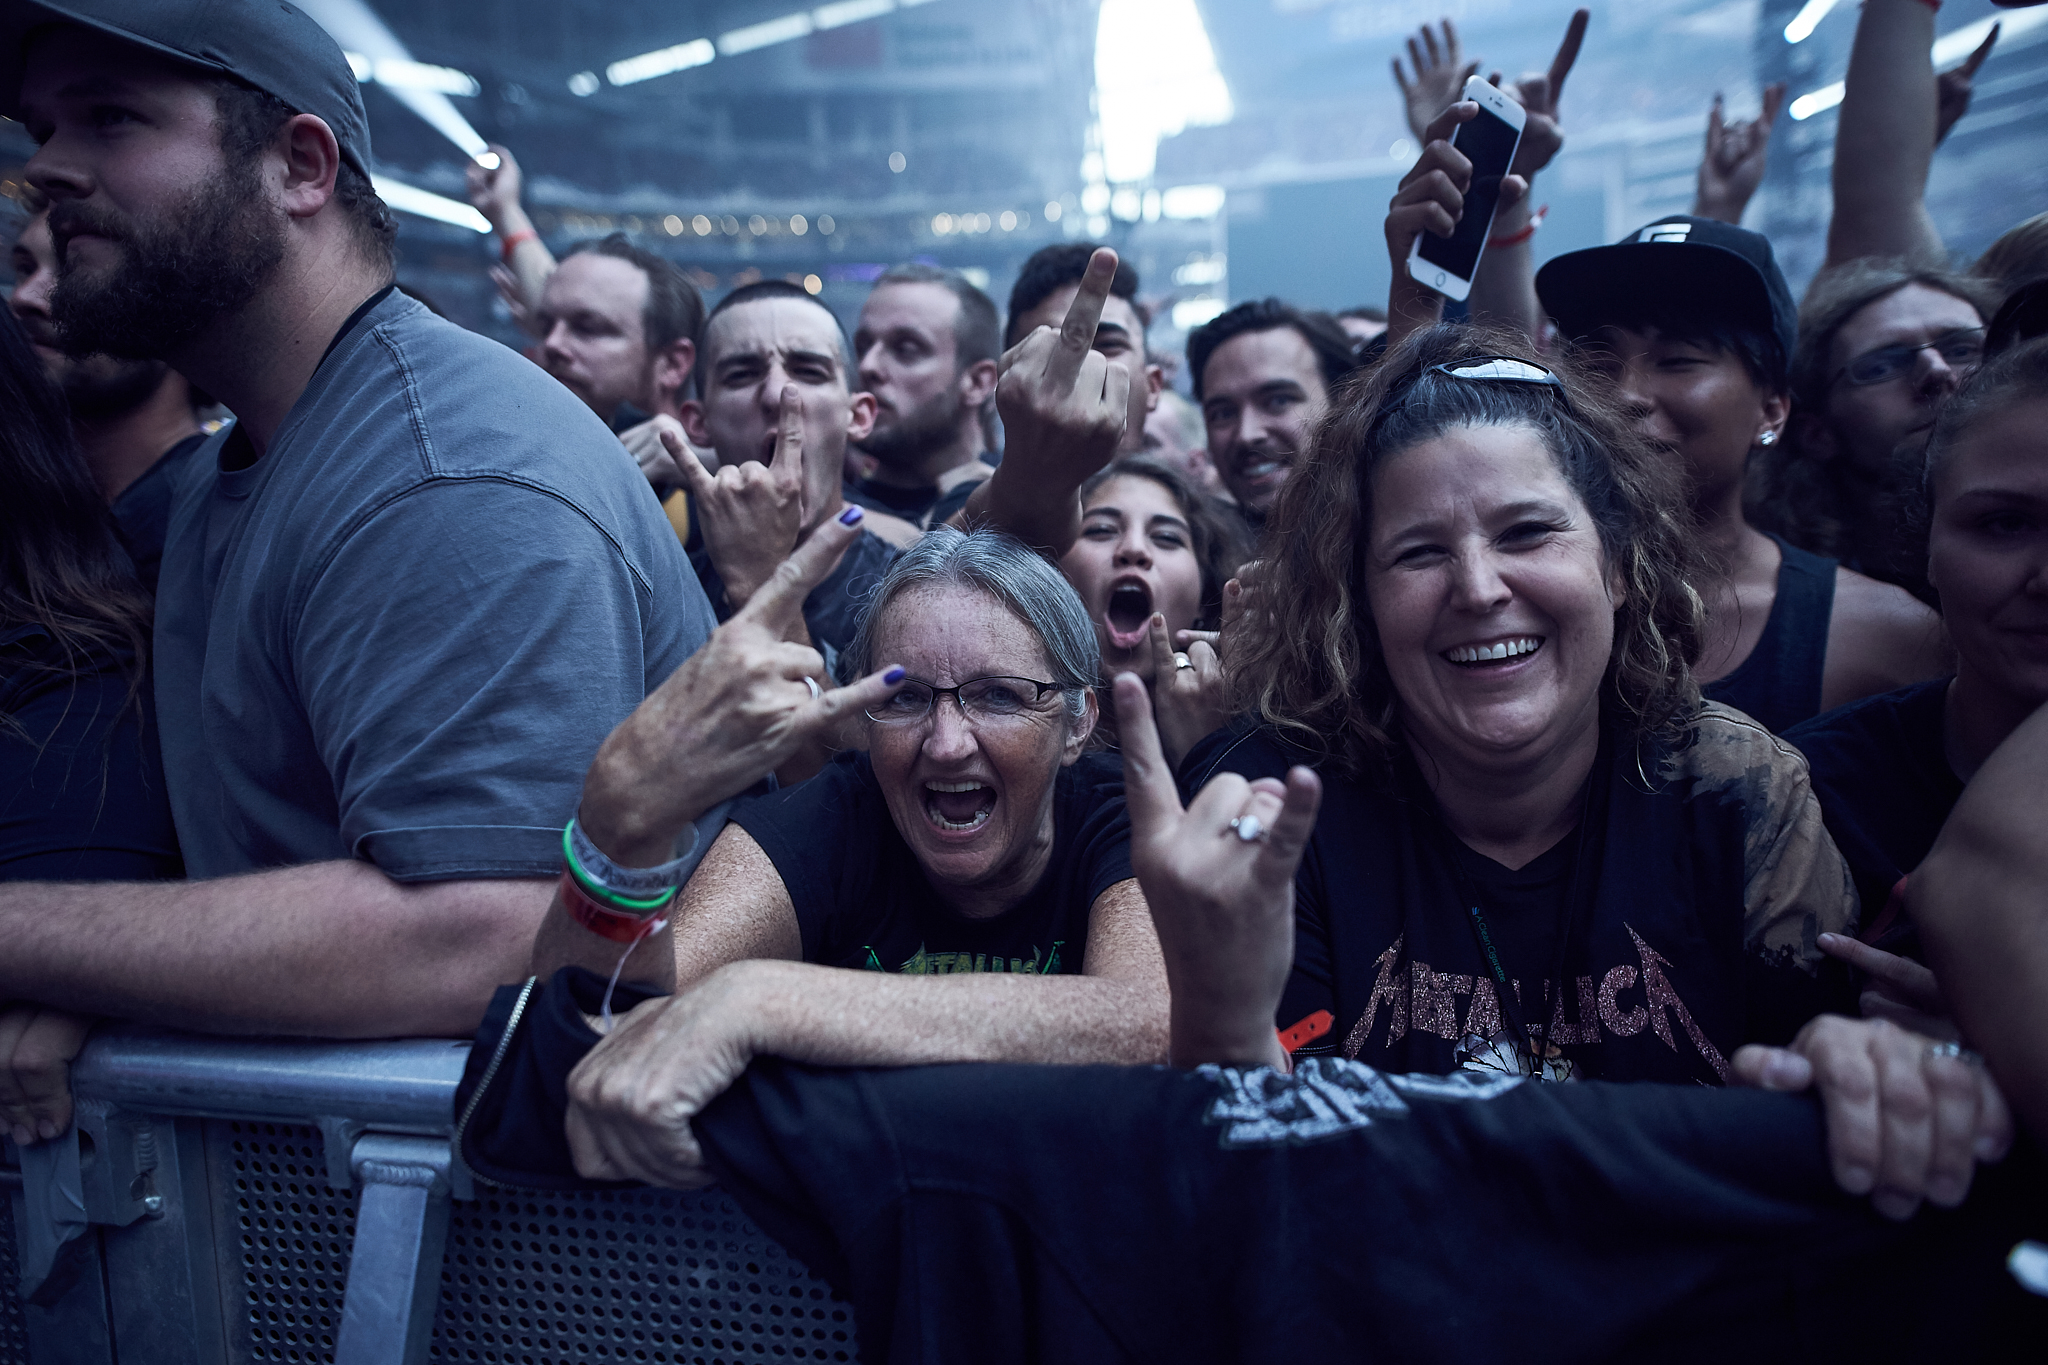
1961 349
981 700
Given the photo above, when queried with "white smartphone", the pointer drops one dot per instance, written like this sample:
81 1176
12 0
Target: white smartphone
1447 264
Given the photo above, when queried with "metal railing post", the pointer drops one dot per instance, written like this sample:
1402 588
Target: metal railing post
394 1268
163 1268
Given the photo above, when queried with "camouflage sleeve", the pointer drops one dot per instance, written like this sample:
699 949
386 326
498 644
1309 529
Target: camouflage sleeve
1796 884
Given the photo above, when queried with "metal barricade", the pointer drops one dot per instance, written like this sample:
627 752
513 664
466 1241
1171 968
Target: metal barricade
245 1201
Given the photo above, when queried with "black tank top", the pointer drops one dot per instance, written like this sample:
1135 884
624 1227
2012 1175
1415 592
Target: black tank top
1779 683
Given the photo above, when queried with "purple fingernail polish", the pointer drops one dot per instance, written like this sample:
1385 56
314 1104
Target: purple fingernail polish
893 676
851 516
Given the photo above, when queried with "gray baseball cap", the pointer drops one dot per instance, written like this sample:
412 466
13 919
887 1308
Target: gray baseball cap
269 44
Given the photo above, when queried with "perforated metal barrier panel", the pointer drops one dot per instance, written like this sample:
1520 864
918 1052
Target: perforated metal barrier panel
670 1279
13 1332
527 1278
284 1236
227 1238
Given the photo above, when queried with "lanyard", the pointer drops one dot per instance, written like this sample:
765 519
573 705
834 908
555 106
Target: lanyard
1532 1034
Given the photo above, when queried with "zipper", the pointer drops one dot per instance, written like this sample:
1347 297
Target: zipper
491 1074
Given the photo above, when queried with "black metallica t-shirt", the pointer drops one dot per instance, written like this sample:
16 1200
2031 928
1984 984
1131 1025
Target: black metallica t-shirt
1880 769
863 901
1690 896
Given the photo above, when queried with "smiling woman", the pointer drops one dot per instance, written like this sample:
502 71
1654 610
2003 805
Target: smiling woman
1537 851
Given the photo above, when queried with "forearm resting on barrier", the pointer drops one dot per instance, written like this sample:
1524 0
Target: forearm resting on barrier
632 1098
335 949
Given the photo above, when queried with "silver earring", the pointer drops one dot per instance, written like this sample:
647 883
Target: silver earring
1769 438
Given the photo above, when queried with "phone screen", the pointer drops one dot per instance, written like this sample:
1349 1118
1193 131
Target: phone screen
1489 142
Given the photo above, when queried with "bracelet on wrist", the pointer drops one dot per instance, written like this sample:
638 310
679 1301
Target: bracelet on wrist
512 241
620 926
1509 239
639 891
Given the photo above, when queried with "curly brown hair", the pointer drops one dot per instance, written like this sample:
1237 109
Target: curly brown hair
1306 660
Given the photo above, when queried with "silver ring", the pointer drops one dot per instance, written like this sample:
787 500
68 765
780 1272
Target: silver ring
1248 828
1181 661
1952 1049
812 683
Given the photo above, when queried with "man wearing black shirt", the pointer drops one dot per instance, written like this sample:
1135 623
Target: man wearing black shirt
135 420
774 382
926 346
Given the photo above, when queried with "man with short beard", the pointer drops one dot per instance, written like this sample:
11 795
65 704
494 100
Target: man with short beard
616 323
776 404
926 345
404 598
1263 374
619 329
136 421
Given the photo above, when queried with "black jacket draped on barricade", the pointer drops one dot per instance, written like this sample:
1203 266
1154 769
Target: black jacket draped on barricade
993 1213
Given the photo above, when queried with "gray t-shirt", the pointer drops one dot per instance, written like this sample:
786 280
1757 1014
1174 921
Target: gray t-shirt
402 634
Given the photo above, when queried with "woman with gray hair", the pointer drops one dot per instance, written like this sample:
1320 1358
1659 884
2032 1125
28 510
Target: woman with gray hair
973 839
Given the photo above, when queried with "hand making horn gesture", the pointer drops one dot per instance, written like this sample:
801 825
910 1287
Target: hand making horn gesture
1219 878
750 513
737 709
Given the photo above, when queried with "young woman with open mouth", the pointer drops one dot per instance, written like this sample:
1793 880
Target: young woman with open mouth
1151 565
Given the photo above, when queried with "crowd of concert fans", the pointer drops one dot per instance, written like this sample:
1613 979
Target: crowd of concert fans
1635 678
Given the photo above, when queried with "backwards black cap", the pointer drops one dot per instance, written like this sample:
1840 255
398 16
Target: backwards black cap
1707 268
2021 318
269 44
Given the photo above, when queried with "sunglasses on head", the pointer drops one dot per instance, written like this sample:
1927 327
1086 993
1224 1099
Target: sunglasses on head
1477 369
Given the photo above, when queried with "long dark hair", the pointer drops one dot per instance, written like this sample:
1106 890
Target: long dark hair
1790 492
60 565
1307 660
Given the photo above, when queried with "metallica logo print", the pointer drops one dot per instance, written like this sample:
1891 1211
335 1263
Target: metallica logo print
925 963
1683 912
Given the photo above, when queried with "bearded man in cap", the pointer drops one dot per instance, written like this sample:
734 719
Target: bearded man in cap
404 596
